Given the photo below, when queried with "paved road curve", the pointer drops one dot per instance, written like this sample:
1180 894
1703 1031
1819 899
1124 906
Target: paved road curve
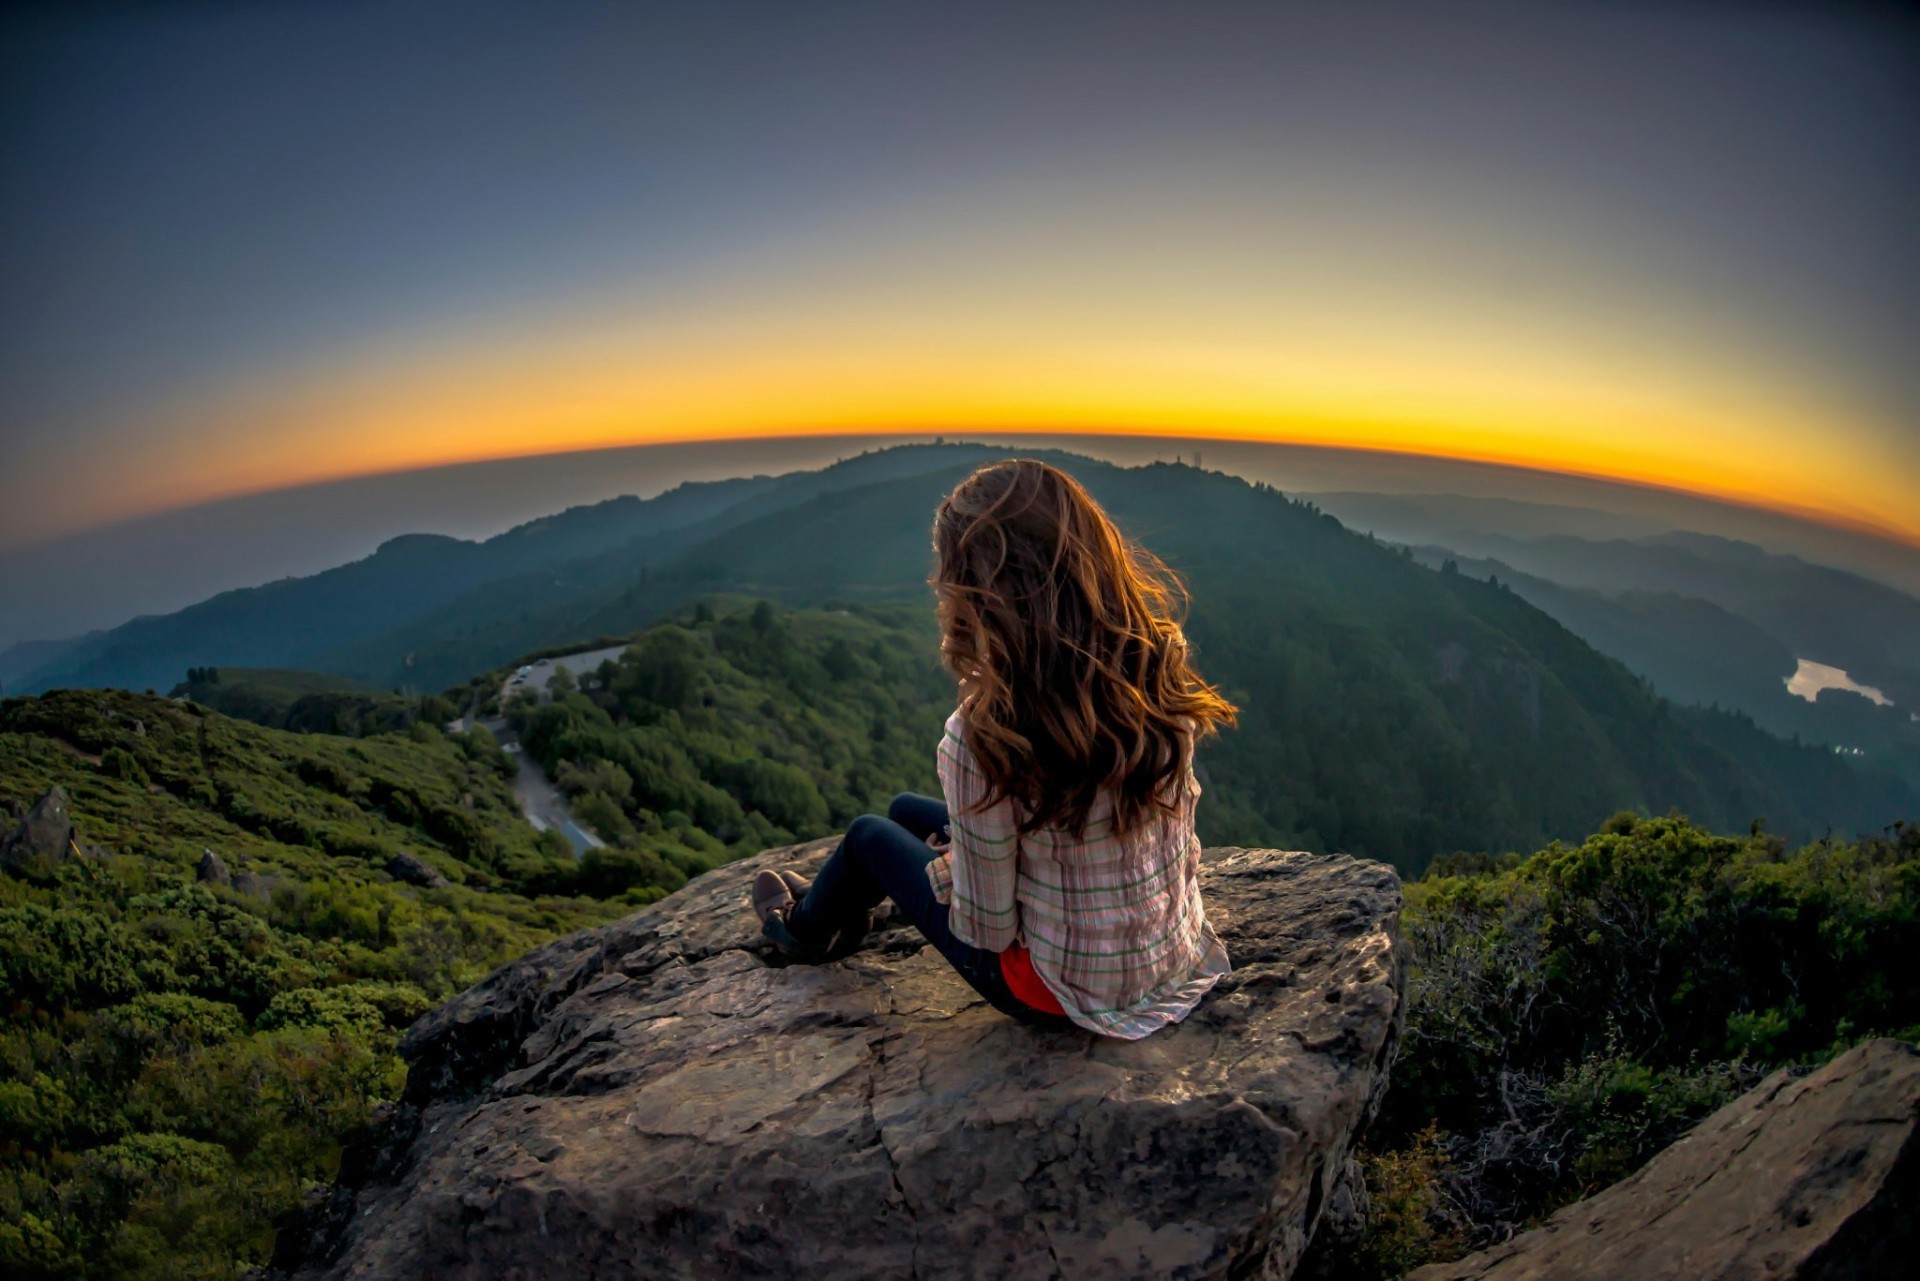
537 676
540 800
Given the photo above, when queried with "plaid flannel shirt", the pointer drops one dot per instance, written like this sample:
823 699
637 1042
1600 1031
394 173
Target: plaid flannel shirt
1115 927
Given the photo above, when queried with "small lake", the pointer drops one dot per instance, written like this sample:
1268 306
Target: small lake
1810 678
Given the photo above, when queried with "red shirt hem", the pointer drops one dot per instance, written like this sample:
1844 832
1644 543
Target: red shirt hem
1016 967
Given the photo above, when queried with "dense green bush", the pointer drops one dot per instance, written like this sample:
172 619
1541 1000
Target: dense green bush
726 731
1573 1013
182 1060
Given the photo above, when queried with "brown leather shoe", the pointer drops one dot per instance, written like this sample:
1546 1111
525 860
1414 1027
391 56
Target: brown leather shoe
772 894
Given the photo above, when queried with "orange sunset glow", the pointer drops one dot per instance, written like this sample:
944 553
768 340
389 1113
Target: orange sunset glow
1483 389
1175 228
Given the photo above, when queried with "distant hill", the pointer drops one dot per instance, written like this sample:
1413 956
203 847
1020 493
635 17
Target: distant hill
292 622
1695 652
363 619
564 603
21 660
1826 615
1707 620
1435 518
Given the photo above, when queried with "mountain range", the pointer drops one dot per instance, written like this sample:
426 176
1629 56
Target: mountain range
1389 707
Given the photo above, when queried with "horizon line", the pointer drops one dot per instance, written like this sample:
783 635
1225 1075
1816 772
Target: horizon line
966 434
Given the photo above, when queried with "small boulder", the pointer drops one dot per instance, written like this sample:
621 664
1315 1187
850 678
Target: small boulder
1815 1178
664 1097
415 870
212 870
44 836
260 885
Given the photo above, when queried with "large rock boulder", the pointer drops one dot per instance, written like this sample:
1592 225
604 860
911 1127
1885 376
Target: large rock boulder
213 870
42 837
1815 1178
663 1098
415 870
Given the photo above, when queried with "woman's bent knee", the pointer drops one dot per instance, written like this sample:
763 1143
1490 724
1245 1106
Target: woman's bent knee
864 835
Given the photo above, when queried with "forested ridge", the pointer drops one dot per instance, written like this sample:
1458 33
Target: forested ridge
1393 710
309 701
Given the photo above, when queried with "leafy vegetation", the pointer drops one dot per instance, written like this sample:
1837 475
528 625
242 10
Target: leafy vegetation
186 1050
1573 1013
311 702
737 727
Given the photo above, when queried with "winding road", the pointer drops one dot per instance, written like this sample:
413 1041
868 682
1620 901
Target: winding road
540 800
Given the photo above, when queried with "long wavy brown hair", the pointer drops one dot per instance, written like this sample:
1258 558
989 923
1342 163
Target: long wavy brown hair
1065 636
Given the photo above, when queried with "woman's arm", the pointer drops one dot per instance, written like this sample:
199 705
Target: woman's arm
985 855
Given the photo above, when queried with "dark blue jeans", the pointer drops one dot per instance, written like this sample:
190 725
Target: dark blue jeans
881 858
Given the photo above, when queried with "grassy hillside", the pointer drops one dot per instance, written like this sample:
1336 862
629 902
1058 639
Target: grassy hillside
188 1046
183 1057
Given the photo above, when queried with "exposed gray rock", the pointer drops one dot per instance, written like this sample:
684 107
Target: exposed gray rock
43 836
661 1098
415 870
212 870
1815 1178
260 885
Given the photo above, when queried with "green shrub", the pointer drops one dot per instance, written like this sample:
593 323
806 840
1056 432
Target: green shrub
1571 1014
1407 1214
337 1009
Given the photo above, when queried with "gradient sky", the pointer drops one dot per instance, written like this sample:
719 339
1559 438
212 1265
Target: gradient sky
246 246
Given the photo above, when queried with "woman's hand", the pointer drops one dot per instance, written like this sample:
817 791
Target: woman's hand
939 840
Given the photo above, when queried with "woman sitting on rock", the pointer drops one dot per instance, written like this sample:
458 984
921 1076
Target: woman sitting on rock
1060 876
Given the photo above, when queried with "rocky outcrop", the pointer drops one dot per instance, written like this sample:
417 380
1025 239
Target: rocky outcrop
1815 1178
213 870
663 1098
415 870
44 836
257 885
